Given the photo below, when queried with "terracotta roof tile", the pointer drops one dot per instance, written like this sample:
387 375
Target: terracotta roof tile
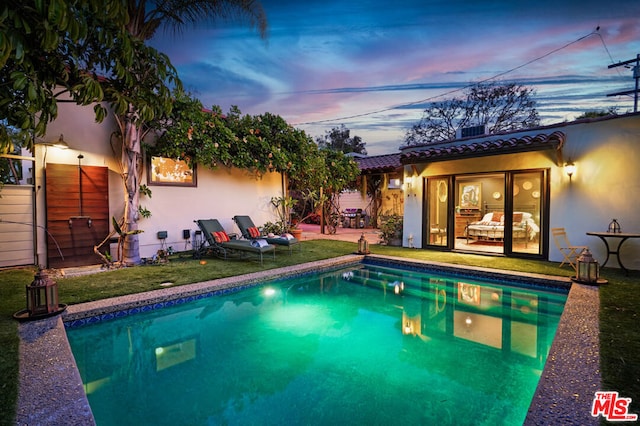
379 163
539 142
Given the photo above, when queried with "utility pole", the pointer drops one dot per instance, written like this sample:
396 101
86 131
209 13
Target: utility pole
636 76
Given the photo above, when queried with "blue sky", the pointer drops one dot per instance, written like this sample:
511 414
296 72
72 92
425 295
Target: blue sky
374 65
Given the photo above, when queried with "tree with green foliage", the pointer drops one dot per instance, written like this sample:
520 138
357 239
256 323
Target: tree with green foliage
145 19
81 52
51 52
92 51
599 113
500 107
339 139
258 143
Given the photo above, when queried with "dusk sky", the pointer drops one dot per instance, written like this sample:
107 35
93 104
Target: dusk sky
374 66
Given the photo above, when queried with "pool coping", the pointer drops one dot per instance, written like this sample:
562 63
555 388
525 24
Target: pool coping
51 391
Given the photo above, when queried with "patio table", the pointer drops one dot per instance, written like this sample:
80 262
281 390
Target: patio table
621 236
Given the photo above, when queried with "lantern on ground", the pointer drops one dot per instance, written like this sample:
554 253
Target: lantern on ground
42 295
42 298
587 269
363 245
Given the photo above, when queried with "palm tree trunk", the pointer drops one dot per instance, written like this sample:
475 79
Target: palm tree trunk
132 174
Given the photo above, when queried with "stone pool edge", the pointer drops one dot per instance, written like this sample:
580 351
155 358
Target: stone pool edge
51 391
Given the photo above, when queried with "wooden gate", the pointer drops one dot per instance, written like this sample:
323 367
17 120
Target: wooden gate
77 213
16 225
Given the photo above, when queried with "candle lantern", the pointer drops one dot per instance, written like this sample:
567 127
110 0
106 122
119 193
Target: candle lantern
587 269
363 245
614 227
42 298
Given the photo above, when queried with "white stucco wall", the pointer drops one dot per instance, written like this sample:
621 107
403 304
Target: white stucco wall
219 194
606 184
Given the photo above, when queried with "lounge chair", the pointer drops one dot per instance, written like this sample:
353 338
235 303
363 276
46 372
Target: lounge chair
218 241
251 232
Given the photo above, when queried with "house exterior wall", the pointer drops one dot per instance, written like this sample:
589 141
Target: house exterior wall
220 193
606 184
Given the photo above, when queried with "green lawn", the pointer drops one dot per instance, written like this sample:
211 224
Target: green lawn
619 335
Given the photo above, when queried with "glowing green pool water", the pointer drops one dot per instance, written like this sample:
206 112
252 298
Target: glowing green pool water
366 345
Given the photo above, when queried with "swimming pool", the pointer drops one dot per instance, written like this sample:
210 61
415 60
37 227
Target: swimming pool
365 344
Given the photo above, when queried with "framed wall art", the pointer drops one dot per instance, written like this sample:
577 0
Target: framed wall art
470 194
169 171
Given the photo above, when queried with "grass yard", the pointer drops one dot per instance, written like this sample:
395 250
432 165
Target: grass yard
619 302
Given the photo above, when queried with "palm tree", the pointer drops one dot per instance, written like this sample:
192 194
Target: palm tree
142 25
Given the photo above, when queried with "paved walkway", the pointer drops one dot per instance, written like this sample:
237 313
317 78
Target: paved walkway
312 232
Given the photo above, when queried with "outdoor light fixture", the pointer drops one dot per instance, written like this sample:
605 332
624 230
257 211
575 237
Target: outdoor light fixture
570 168
363 245
409 186
42 299
614 227
587 269
60 143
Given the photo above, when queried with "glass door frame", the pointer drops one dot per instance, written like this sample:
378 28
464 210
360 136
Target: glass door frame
509 179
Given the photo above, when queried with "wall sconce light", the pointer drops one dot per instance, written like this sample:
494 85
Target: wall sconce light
409 185
60 143
570 168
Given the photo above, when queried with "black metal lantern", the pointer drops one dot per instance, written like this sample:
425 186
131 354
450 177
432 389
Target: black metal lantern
363 245
587 269
614 227
42 298
42 295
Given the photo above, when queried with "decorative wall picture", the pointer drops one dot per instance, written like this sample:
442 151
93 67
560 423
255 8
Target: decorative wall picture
167 171
469 293
470 195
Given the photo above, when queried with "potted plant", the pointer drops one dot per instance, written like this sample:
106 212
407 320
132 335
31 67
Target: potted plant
391 230
288 218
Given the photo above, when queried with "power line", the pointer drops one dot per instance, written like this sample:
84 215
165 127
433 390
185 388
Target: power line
390 108
636 76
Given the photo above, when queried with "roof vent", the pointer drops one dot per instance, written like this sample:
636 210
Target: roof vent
467 132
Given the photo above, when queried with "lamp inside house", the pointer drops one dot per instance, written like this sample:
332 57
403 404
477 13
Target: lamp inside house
570 168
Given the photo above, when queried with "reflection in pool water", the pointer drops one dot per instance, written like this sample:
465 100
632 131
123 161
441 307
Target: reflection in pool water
368 344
